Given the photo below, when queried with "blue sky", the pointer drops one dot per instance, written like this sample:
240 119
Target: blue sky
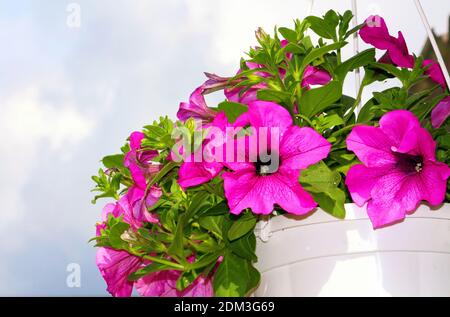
69 96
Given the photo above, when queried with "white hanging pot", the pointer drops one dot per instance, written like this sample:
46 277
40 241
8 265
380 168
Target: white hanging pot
324 256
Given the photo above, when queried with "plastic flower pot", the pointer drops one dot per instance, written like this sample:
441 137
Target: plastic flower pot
324 256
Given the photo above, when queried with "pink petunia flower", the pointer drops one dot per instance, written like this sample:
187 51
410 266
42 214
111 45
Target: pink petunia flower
201 167
139 162
376 33
434 71
312 76
257 181
115 267
399 168
440 113
243 95
196 107
315 76
141 167
163 284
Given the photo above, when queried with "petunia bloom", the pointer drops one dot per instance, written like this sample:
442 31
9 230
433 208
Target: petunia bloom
196 107
440 113
398 169
315 76
434 71
376 33
142 168
203 165
269 173
115 267
163 284
243 95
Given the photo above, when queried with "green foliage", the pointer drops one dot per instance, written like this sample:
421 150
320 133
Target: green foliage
196 234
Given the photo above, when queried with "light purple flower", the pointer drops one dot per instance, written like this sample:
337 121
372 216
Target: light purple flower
440 113
398 169
255 183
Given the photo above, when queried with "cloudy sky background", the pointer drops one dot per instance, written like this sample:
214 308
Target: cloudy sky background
69 96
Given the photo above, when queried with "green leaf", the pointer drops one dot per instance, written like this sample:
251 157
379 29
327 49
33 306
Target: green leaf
242 226
198 201
219 209
245 246
362 59
345 23
322 27
115 235
163 172
323 184
318 100
213 224
274 95
112 161
232 110
176 248
391 69
288 34
231 278
319 52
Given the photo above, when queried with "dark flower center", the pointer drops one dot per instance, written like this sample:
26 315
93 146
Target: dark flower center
409 163
267 164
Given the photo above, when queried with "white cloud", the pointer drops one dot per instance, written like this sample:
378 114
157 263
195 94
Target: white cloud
30 127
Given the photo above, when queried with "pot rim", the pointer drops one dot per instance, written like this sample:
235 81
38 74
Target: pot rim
267 226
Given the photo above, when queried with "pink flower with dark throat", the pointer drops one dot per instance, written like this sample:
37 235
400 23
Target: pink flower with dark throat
398 170
269 173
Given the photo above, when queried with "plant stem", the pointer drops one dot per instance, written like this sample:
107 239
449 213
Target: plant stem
357 101
304 118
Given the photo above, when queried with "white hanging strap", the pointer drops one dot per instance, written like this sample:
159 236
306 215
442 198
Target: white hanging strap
433 42
310 7
355 52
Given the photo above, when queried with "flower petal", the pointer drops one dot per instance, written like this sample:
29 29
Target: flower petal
433 182
265 114
397 125
245 189
115 266
376 33
302 147
435 72
360 181
371 146
398 52
195 173
315 76
440 113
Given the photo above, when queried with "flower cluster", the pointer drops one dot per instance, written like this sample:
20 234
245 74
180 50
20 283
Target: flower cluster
189 193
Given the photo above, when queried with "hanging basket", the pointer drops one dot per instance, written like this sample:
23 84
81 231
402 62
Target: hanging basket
324 256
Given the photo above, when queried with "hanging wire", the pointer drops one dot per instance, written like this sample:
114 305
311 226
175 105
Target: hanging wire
310 7
433 41
356 51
